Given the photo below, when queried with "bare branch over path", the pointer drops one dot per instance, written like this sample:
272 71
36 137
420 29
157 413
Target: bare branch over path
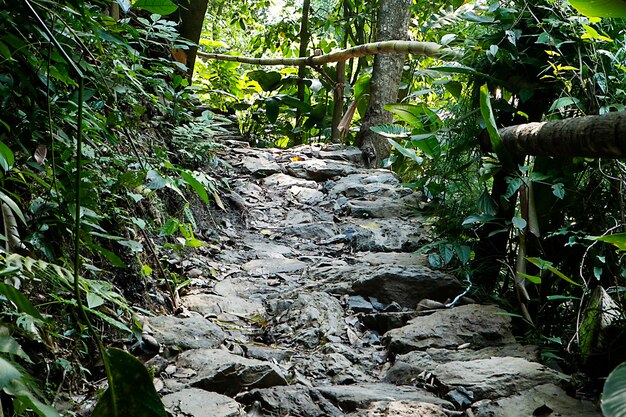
430 49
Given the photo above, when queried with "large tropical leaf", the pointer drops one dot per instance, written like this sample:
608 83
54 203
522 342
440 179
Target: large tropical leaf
131 392
494 136
614 393
162 7
600 8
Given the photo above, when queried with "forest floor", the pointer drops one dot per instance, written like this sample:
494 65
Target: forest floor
314 303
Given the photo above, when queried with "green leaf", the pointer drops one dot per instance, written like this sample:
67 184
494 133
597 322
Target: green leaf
414 114
391 131
532 278
20 300
16 210
272 108
600 8
268 80
428 143
10 346
618 240
519 223
169 228
130 392
455 89
22 394
564 102
558 190
196 185
409 153
494 136
542 264
8 373
162 7
7 159
614 394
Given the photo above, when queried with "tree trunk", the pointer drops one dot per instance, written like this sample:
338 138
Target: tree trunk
590 136
191 19
393 23
304 43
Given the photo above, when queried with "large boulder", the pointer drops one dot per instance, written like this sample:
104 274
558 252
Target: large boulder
193 332
194 402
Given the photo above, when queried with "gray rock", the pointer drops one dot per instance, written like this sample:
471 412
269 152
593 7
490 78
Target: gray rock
305 195
383 322
259 267
383 207
269 250
353 397
297 217
394 258
529 403
401 409
321 170
267 353
295 400
404 285
349 153
286 181
194 332
223 372
213 305
496 377
260 166
313 231
194 402
359 304
311 317
386 235
478 325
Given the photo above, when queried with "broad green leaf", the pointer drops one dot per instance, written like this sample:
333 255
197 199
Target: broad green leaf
14 208
156 181
428 143
519 223
463 252
162 7
564 102
618 240
7 159
600 8
21 302
455 88
542 264
414 114
196 185
272 108
268 80
169 228
94 300
532 278
10 346
558 190
494 136
614 393
391 131
20 391
131 392
8 373
409 153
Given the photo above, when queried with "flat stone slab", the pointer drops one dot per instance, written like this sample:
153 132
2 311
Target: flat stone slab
194 402
321 170
296 400
259 267
213 305
479 325
543 400
349 153
228 374
386 235
260 166
353 397
317 231
384 207
280 180
496 377
401 409
194 332
394 258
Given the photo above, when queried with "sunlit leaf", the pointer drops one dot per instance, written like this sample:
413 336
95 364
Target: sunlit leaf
600 8
20 300
162 7
7 159
532 278
614 393
617 239
196 185
268 80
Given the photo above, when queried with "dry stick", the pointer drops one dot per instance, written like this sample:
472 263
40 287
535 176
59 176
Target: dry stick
430 49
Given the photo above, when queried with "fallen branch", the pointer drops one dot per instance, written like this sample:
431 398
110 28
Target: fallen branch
429 49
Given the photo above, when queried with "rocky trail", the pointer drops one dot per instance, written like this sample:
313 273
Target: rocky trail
313 303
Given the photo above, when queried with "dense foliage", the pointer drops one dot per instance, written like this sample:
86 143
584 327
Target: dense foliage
521 229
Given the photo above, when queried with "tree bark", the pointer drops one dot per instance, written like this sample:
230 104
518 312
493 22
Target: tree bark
304 43
191 15
590 136
393 23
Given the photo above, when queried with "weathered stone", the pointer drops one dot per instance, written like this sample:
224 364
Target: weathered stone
212 305
349 153
223 372
353 397
267 353
295 400
394 258
321 170
259 267
269 250
383 207
386 235
193 332
384 321
286 181
359 304
194 402
333 366
409 366
305 195
478 325
549 398
496 377
311 317
401 409
404 285
297 217
260 166
312 231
